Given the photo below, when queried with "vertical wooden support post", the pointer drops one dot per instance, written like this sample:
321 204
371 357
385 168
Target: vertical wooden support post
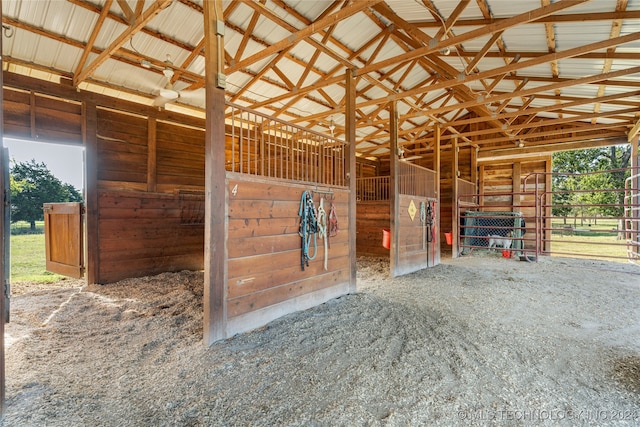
394 198
215 246
480 191
152 166
92 235
455 168
546 246
436 167
5 258
516 174
635 196
474 167
350 172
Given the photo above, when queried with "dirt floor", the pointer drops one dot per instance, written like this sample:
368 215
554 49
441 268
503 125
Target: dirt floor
478 340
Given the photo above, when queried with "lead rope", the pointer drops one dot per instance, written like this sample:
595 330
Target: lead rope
333 223
322 229
429 222
308 226
433 228
423 220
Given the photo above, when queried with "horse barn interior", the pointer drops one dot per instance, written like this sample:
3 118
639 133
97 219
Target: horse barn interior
205 124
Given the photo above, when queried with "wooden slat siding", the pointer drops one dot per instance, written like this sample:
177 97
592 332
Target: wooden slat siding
180 155
371 218
122 147
253 282
113 271
411 256
273 242
264 244
126 127
275 295
447 221
266 263
58 120
500 178
63 238
141 234
257 227
53 119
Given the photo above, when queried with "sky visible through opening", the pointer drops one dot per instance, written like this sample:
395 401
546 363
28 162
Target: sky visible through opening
64 161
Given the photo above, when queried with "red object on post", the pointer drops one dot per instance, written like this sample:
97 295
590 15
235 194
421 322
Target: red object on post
386 239
449 237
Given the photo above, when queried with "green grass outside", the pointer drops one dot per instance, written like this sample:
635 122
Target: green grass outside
28 251
597 240
28 259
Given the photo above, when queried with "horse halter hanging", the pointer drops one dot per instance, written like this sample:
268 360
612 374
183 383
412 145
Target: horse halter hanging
426 217
308 227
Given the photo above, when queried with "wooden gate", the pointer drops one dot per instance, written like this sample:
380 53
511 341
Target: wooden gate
63 238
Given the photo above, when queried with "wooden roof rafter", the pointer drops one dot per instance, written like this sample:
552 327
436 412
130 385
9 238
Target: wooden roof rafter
555 18
420 40
136 25
543 121
576 102
486 12
616 28
529 16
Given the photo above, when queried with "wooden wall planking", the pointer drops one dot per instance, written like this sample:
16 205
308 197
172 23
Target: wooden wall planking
264 263
180 157
466 168
371 218
504 177
122 149
413 247
142 226
144 233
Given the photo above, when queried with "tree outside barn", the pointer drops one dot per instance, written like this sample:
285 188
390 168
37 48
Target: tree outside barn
32 185
583 181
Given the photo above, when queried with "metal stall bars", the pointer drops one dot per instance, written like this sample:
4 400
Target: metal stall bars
258 144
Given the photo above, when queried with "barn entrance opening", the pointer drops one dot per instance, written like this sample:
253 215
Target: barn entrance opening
43 175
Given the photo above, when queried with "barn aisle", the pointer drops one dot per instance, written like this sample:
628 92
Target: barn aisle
475 340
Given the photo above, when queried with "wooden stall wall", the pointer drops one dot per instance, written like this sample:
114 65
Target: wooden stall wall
265 278
465 165
371 218
145 172
418 244
150 196
503 185
37 117
148 233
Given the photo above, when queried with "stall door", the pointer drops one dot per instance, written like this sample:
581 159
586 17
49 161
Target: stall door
63 238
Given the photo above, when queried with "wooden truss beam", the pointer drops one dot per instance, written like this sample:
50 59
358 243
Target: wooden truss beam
138 24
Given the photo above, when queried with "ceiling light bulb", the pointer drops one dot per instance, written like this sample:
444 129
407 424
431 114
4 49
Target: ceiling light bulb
521 144
168 73
332 126
169 94
445 51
